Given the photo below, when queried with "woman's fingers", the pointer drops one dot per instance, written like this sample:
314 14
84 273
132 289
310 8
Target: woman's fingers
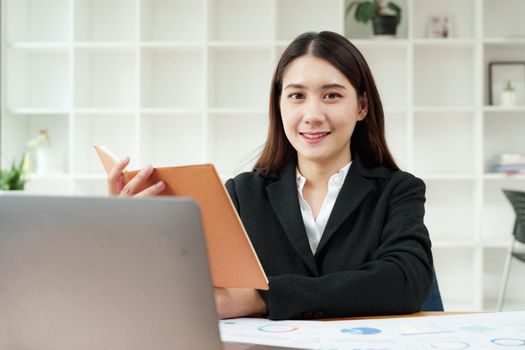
137 182
116 185
115 179
152 190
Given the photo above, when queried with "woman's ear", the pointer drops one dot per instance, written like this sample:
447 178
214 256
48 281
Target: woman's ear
363 106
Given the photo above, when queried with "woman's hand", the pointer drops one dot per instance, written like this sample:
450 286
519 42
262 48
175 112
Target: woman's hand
117 187
238 302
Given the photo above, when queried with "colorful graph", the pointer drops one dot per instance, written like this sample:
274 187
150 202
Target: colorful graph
277 328
360 330
508 342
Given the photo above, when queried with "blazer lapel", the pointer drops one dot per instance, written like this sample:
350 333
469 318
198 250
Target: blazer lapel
283 198
354 190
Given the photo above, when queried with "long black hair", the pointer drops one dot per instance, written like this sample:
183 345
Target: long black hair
368 139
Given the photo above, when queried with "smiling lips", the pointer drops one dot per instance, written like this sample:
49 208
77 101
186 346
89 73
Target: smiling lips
314 137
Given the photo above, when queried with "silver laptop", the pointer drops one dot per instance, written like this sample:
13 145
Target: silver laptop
105 273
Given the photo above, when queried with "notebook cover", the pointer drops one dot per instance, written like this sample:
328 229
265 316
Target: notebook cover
233 261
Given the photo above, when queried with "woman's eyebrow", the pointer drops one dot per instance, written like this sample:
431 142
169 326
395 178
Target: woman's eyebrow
326 86
294 86
332 86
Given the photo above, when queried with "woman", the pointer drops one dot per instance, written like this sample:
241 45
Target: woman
337 226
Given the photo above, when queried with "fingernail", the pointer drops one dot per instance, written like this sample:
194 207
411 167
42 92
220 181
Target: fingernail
125 159
147 168
159 185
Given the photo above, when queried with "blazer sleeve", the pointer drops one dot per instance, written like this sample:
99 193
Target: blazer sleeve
395 281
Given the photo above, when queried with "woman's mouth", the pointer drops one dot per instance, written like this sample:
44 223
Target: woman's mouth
314 137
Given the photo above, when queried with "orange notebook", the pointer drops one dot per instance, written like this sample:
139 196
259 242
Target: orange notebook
233 261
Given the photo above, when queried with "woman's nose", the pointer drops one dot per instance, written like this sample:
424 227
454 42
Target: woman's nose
313 112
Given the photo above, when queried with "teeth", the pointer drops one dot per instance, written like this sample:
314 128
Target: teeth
315 136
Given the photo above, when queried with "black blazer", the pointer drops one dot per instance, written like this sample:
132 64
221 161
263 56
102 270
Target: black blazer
374 256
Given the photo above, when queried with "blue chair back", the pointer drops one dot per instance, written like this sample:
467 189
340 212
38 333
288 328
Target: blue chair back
433 301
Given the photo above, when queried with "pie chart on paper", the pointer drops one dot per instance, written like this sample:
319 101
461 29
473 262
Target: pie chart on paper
360 331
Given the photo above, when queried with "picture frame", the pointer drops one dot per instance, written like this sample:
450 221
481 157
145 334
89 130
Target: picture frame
439 26
502 73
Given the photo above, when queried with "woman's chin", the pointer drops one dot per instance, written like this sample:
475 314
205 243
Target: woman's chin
313 156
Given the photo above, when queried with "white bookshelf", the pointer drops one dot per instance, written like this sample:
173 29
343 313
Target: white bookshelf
184 81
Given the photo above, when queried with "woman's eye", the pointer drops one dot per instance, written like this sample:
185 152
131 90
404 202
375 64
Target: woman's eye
296 96
332 96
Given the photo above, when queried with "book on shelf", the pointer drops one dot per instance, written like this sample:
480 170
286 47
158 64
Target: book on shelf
509 163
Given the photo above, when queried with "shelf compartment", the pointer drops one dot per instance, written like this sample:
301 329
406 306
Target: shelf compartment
236 141
461 26
105 79
37 80
502 53
113 131
23 128
38 21
172 78
172 20
450 209
240 20
389 69
396 134
105 20
493 264
308 15
239 78
172 139
503 19
452 147
497 219
502 133
455 271
443 77
358 30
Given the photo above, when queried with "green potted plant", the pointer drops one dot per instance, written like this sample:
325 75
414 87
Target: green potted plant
385 16
13 178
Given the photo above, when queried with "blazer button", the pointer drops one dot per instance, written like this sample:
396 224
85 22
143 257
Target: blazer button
319 314
308 315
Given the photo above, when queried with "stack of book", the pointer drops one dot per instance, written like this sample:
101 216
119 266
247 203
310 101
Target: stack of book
509 163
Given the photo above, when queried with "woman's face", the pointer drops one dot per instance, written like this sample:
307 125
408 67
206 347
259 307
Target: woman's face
319 109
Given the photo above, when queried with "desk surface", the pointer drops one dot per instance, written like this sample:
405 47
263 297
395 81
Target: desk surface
476 330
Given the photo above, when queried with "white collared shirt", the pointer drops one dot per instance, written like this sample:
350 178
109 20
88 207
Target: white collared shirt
315 227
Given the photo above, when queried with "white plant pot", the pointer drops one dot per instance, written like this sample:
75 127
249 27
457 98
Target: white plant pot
508 98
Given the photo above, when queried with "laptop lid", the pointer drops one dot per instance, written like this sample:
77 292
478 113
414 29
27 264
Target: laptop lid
104 273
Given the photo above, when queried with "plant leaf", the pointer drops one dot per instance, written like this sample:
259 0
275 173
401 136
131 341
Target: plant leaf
394 7
365 11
